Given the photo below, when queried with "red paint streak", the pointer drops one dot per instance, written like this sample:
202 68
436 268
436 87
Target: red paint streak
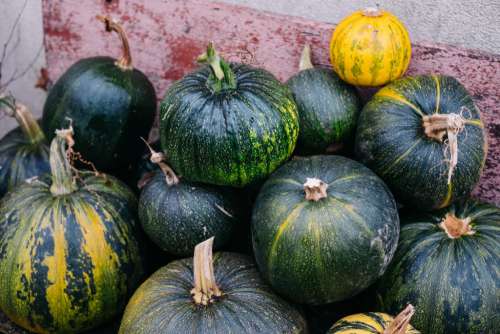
183 54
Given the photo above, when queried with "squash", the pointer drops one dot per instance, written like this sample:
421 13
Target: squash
447 266
375 322
24 152
227 124
370 47
108 101
68 253
327 107
177 214
207 294
323 229
424 137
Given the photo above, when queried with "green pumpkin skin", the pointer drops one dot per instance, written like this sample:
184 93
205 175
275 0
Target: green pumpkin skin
391 141
453 283
328 109
163 303
111 109
319 252
177 217
233 137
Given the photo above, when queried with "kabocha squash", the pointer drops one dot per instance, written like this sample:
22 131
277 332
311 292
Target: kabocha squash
227 124
111 104
68 254
205 294
424 137
447 265
323 229
177 214
24 152
375 323
327 107
370 47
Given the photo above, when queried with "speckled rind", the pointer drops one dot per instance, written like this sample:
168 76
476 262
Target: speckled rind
366 323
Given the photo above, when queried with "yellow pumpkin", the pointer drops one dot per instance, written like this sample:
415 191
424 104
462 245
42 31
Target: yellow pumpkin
370 47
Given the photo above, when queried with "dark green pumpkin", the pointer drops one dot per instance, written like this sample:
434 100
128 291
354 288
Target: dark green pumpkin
391 140
228 124
324 228
327 106
453 282
68 253
111 104
234 300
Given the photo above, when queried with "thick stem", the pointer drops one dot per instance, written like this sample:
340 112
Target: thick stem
205 289
315 189
159 158
305 59
222 76
125 61
400 324
372 11
25 119
63 181
456 227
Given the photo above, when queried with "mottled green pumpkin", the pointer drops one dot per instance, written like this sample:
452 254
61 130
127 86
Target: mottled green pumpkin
324 228
447 265
327 106
68 254
408 132
227 124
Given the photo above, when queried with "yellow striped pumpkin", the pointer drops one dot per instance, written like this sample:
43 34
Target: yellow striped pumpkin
370 47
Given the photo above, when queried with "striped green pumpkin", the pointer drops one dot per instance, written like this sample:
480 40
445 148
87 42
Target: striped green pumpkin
68 254
449 269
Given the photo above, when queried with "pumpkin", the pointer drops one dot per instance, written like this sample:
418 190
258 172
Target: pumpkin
109 102
227 124
327 107
206 294
370 47
375 322
177 214
424 137
68 254
323 229
24 153
447 265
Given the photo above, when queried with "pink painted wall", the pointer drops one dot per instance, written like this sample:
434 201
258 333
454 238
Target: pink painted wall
166 37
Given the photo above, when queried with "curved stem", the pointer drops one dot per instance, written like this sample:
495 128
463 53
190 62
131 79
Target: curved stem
25 119
222 76
400 324
205 289
159 158
305 59
315 189
125 61
456 227
62 172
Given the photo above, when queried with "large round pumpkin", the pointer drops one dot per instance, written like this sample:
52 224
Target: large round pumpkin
327 107
68 254
227 124
205 295
370 47
324 228
111 104
447 265
424 137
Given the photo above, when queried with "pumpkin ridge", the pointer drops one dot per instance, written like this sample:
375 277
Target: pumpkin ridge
393 95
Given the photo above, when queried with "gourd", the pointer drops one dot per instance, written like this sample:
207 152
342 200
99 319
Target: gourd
227 124
323 228
424 137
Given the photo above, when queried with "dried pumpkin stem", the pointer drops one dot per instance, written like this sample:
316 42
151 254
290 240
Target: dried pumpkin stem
125 61
456 227
372 11
159 158
222 76
305 59
400 324
63 181
25 119
315 189
205 289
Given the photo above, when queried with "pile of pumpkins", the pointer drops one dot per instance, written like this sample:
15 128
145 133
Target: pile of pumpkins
75 242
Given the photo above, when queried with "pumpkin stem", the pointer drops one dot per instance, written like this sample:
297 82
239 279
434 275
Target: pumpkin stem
305 59
125 61
159 159
62 171
24 118
372 11
456 227
205 289
400 324
315 189
222 76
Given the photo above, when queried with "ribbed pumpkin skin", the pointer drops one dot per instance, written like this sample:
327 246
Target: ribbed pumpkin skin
370 51
233 137
329 250
67 263
365 323
390 140
453 283
178 217
20 160
110 108
163 304
327 107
